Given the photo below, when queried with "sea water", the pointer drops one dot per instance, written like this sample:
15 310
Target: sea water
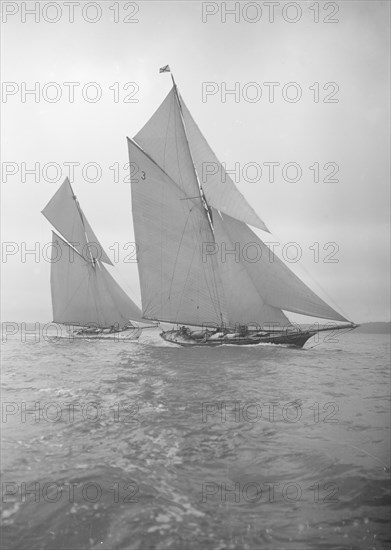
145 445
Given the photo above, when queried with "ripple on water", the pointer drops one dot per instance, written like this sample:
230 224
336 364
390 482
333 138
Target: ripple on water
153 436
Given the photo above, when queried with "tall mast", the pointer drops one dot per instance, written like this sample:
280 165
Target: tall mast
202 194
93 260
208 210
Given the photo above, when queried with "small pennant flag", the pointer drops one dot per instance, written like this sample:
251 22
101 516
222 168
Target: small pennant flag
165 69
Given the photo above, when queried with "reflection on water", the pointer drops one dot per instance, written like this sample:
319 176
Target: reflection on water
146 445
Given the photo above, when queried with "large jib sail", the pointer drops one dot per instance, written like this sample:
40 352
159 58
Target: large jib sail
277 285
83 291
178 219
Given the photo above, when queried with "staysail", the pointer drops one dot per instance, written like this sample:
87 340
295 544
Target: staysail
245 305
64 213
273 280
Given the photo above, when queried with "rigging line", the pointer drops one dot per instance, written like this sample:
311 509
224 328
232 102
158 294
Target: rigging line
188 271
205 203
95 292
124 283
109 294
189 198
216 286
188 148
112 296
82 221
198 231
213 291
191 221
336 307
190 210
316 283
165 139
70 246
227 236
176 148
199 235
75 292
343 331
177 255
87 264
200 206
123 280
178 187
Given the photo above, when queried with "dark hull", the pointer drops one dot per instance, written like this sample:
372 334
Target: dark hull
294 340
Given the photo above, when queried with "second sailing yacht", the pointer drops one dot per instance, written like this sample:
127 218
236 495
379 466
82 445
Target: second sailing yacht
85 297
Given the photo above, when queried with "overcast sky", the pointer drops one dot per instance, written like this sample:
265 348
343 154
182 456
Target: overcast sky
351 133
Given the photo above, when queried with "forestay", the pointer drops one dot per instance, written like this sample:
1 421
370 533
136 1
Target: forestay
219 189
274 281
245 305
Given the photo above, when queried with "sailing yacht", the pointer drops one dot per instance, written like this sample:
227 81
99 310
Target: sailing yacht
85 297
181 225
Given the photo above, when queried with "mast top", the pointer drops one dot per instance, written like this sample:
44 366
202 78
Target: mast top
166 69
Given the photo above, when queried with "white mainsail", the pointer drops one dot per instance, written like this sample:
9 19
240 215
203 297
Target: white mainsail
64 213
84 293
170 229
180 282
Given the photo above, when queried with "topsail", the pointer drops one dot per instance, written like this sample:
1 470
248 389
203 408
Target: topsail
64 213
174 141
